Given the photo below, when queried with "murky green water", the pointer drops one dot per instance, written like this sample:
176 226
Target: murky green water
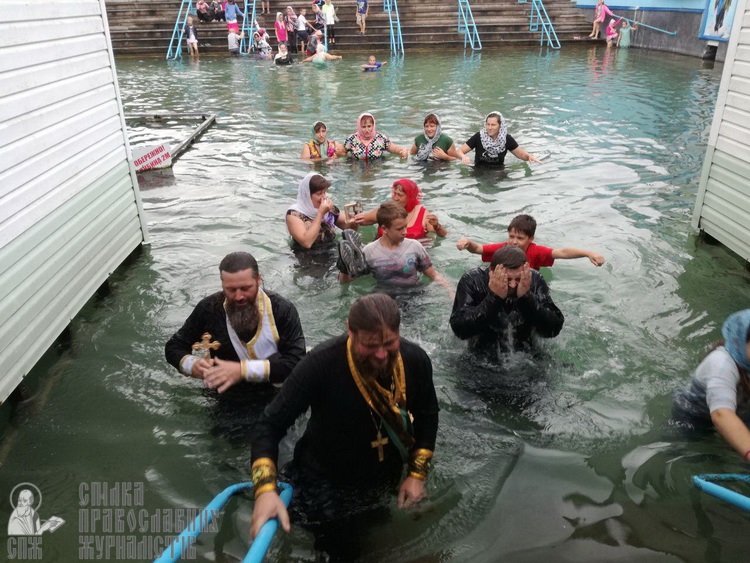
563 458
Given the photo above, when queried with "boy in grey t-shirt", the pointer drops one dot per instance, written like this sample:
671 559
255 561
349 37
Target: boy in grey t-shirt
394 259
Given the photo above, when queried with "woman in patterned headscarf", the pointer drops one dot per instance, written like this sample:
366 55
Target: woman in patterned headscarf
433 144
493 142
313 218
719 394
369 144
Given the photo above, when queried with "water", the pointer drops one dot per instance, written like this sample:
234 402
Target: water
565 457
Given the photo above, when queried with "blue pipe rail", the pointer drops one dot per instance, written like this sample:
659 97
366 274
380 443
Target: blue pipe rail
644 25
703 482
249 25
175 50
467 26
258 548
539 20
394 22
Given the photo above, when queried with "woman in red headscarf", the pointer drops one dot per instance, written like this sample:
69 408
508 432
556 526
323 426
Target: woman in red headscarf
419 221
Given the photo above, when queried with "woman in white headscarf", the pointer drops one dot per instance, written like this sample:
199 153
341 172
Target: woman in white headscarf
493 142
313 219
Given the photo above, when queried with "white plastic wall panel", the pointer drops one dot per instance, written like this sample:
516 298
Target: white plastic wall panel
70 210
722 207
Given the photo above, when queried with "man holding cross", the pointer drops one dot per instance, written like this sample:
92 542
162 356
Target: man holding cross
255 335
373 412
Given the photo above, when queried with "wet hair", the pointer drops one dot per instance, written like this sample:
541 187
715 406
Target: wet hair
525 224
318 183
374 312
431 118
238 261
388 212
509 256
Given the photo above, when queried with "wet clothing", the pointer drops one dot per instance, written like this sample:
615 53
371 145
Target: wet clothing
375 67
279 331
417 230
397 266
314 147
490 322
337 443
624 37
481 158
444 142
539 256
715 385
327 230
286 59
360 151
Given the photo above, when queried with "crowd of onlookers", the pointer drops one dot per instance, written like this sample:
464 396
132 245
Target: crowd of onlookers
291 28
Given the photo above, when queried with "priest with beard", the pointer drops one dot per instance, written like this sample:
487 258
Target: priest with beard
255 335
505 306
374 414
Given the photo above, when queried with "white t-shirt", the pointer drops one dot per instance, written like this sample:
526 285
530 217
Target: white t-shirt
301 23
233 40
719 376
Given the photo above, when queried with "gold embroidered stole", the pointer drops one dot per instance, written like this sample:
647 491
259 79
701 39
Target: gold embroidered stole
388 405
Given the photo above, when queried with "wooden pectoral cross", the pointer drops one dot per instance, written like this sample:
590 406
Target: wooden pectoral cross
379 443
203 348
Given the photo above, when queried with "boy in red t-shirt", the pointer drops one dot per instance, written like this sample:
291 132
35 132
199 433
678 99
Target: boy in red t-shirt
521 234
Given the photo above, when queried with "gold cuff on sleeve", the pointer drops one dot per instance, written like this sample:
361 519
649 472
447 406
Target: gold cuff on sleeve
263 475
420 463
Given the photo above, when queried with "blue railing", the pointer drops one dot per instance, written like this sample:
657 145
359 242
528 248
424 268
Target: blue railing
397 41
249 26
704 483
175 44
539 21
467 26
259 547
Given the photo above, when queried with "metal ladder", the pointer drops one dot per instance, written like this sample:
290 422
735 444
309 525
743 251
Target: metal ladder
539 21
175 44
467 26
397 41
248 27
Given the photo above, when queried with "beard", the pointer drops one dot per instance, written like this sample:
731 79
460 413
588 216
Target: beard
381 374
244 320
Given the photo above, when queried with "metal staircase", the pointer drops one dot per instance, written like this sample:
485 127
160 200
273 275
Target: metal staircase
467 26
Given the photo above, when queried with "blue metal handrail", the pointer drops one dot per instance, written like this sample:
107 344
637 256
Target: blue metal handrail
175 50
249 26
539 19
467 26
260 545
639 24
394 21
703 482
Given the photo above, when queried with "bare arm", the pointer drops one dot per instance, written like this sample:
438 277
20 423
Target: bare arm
367 218
307 236
470 245
523 155
413 149
393 148
732 429
435 276
569 253
432 224
306 153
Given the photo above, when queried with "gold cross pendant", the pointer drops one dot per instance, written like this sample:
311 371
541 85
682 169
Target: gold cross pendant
379 443
203 348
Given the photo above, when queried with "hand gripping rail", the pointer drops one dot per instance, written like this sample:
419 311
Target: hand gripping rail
703 482
258 548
